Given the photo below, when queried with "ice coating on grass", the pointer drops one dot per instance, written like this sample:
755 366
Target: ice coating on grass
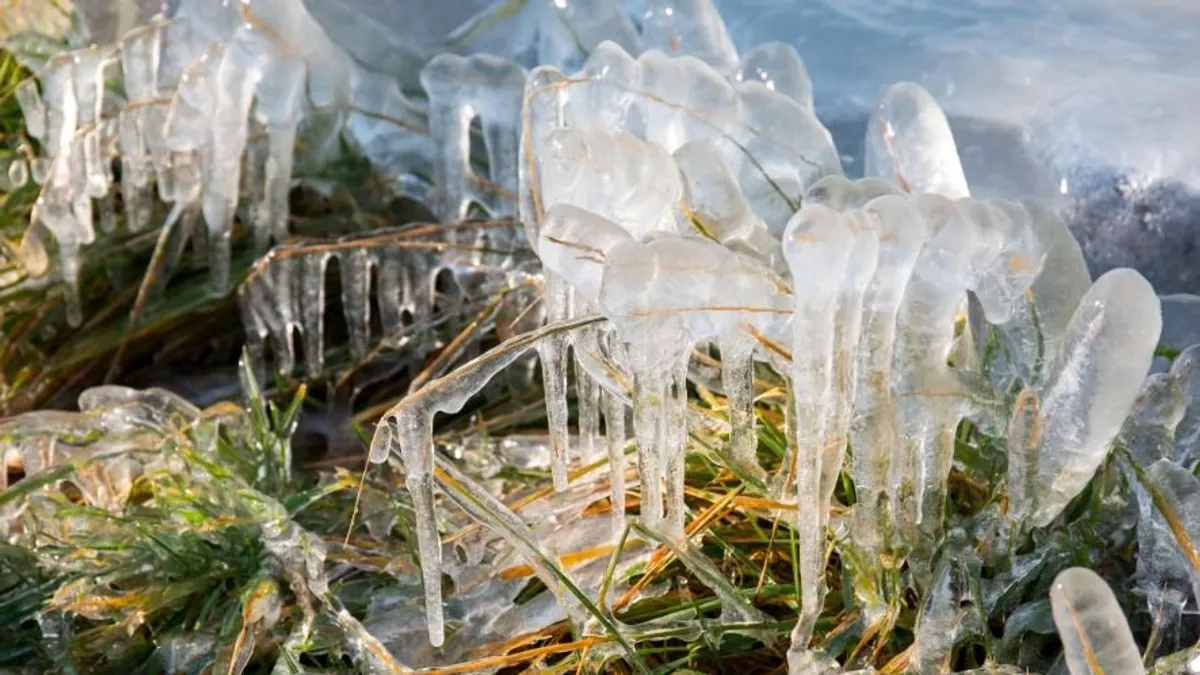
1096 638
1039 324
1168 526
407 430
821 246
902 235
909 143
677 292
629 181
191 82
979 246
1060 432
602 141
655 188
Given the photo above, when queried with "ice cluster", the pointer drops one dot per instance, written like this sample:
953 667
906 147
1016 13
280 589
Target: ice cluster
416 281
680 197
690 204
213 100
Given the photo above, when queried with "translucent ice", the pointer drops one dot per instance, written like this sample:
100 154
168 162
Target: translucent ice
1096 638
779 66
832 258
1060 432
909 143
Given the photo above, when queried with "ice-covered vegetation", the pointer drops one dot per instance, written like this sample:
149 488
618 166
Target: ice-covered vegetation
911 411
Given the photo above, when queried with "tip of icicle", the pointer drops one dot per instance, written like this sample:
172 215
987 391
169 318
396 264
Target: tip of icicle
437 635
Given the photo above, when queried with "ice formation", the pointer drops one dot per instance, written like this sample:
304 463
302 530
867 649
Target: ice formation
662 192
1096 638
197 86
679 196
215 97
910 144
417 281
1060 431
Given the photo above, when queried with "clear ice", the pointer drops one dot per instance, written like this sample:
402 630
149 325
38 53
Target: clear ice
680 197
1096 637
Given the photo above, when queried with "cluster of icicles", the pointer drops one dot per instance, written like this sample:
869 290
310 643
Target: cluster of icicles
415 278
688 195
216 94
215 97
190 84
662 194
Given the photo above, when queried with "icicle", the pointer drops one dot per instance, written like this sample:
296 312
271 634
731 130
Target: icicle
236 77
283 280
614 438
459 89
648 400
553 355
408 428
280 95
393 287
311 285
1095 635
737 377
88 77
818 246
674 444
587 396
545 99
252 186
32 109
848 322
356 299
